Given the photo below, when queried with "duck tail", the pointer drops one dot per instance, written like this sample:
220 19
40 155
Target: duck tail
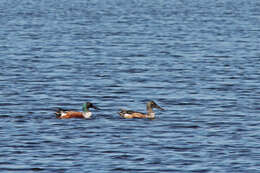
59 112
122 112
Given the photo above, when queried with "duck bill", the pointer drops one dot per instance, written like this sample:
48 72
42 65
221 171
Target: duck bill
159 107
95 107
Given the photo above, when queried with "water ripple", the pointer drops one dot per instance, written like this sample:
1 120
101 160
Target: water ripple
197 60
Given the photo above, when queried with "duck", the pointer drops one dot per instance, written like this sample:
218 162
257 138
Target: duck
133 114
65 114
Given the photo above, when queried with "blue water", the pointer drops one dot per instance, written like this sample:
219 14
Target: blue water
199 60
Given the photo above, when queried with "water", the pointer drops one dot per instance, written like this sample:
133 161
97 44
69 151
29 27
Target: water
199 60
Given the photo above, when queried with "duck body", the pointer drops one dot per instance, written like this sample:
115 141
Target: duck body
133 114
65 114
73 114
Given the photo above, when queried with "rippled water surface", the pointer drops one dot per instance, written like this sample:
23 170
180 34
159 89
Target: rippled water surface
199 60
